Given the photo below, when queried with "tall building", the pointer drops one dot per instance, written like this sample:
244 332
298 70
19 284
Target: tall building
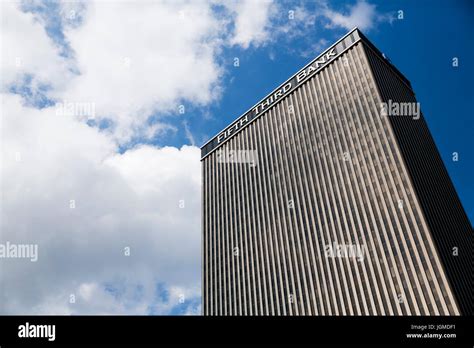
329 197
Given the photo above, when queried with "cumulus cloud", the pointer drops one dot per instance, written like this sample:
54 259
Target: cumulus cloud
146 199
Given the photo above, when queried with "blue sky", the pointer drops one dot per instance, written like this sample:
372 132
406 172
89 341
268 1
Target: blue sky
125 175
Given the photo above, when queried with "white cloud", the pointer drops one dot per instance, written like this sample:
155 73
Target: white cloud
26 49
252 22
362 15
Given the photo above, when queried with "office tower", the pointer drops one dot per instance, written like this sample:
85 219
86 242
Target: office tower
329 197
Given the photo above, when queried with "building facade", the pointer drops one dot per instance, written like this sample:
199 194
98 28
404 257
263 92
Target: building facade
329 197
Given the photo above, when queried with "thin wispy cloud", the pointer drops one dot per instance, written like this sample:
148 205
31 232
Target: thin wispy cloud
362 15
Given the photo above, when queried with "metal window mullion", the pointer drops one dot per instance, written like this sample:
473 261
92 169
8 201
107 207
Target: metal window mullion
257 228
270 274
270 135
285 213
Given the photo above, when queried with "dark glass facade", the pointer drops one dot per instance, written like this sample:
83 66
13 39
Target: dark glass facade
320 204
